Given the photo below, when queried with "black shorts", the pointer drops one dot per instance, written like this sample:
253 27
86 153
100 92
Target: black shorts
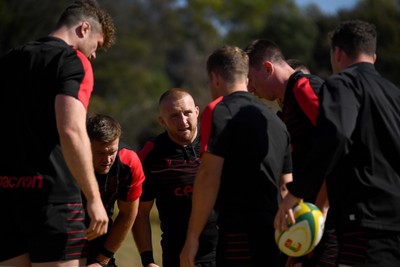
171 248
324 254
250 248
369 248
50 232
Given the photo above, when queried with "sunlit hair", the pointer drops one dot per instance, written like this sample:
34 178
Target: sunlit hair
354 37
89 10
230 62
103 128
261 50
173 94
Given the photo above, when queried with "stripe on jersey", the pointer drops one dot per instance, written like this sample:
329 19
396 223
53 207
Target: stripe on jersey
148 147
131 159
206 121
86 86
306 99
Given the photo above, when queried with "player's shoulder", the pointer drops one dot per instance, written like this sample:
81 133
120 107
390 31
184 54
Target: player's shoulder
337 80
305 82
122 145
153 146
54 46
126 152
211 106
314 79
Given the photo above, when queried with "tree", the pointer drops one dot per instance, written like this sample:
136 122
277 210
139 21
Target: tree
385 14
165 43
23 21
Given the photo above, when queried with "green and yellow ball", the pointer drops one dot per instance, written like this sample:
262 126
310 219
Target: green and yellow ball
301 237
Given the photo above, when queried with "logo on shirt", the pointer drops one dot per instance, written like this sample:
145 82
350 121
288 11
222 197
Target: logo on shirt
21 182
184 191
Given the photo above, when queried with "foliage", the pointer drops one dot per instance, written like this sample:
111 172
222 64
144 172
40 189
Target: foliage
385 14
22 21
165 43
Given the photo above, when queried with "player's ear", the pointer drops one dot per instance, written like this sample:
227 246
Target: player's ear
269 67
83 29
337 54
161 121
212 77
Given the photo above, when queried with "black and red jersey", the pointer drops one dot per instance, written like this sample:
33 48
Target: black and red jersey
123 181
300 104
299 112
170 170
31 76
255 146
357 149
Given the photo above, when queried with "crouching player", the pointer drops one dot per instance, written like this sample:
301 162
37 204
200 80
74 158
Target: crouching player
120 176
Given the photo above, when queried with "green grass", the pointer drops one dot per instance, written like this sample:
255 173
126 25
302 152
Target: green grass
128 255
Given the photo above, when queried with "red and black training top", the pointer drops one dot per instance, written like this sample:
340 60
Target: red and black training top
123 182
299 112
255 146
357 150
32 75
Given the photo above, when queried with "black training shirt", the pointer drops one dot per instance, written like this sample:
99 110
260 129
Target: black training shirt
357 149
31 76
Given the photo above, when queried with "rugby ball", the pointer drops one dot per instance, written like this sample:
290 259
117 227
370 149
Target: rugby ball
301 237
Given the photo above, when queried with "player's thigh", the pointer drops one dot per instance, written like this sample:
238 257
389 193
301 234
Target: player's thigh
21 260
247 247
369 248
383 250
59 235
12 240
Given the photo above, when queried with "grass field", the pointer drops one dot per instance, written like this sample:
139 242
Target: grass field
128 255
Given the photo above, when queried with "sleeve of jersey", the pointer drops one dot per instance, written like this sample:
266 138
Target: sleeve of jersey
335 124
287 167
76 77
213 122
148 193
148 147
130 158
307 99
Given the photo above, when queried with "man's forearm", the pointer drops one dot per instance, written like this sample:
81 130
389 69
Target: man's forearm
121 227
142 233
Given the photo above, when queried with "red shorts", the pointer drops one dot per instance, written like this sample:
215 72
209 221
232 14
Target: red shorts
50 232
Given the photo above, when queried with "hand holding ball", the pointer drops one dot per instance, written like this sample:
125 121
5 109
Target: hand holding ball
301 238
